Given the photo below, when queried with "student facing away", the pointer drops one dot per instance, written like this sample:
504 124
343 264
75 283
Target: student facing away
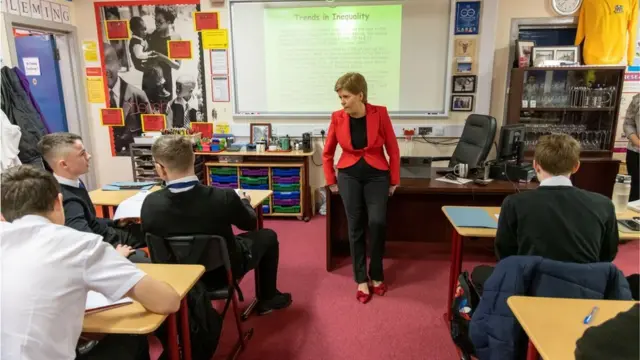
66 156
44 294
186 207
557 220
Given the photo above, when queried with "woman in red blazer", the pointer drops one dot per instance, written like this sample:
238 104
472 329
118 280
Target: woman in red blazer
365 179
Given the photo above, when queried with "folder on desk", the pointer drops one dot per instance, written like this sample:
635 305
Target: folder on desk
471 217
97 302
129 185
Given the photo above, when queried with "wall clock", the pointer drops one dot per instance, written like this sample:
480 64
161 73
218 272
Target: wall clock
566 7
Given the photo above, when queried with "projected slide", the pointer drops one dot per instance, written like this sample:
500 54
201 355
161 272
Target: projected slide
308 48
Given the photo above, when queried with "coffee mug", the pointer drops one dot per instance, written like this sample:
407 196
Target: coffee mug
461 170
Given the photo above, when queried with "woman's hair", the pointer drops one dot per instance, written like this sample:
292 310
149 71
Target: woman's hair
168 13
354 83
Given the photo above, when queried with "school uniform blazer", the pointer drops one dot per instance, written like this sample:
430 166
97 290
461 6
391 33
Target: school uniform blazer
379 134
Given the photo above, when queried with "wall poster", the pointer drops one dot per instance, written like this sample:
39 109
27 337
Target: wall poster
140 76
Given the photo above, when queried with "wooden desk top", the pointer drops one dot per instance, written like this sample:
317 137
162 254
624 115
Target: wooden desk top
493 210
293 153
135 319
101 197
554 325
115 197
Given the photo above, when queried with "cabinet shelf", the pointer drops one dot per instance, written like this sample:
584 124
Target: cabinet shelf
561 109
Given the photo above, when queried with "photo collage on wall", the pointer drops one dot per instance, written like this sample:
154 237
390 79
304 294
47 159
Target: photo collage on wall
153 65
463 83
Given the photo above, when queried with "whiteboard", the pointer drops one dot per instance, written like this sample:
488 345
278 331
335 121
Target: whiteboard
287 55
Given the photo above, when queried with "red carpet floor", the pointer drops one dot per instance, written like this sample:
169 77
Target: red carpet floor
326 322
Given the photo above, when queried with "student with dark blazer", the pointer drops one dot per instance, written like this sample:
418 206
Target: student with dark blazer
365 178
557 220
186 207
68 160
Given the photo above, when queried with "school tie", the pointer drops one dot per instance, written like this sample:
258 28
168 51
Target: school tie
112 99
186 116
81 185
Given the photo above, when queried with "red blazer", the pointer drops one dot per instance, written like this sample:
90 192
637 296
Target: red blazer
379 133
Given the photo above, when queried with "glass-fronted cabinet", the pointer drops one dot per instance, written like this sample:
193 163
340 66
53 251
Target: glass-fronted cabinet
580 101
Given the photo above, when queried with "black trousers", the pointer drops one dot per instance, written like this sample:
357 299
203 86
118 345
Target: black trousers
264 252
370 194
121 347
263 255
633 168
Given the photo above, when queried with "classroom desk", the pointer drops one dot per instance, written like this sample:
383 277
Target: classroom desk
553 332
414 212
461 232
106 202
135 319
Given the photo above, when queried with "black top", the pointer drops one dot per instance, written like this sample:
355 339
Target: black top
359 141
358 128
202 210
616 338
561 223
80 214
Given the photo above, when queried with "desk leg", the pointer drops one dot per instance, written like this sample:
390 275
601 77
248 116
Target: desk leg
99 212
454 270
185 335
172 341
532 352
256 274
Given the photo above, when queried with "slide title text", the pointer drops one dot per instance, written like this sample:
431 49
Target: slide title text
333 16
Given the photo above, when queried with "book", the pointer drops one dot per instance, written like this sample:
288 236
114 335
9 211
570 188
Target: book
97 302
471 217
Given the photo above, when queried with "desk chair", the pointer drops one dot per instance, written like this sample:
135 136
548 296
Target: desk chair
475 142
210 251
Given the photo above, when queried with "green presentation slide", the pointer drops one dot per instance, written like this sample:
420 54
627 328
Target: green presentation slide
308 48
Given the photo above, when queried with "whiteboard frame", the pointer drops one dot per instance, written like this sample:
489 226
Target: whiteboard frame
422 114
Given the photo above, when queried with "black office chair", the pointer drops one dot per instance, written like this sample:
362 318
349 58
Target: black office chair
210 251
475 142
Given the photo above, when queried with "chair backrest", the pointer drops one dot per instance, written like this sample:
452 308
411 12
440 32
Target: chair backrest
475 142
207 250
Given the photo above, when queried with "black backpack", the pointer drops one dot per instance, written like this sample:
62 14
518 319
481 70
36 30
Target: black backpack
204 322
465 301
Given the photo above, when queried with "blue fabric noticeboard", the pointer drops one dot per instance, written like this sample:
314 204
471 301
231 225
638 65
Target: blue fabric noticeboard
467 17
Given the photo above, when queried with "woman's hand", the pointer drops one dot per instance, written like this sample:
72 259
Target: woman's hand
392 189
333 188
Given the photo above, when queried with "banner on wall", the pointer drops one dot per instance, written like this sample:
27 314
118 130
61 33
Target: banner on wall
152 66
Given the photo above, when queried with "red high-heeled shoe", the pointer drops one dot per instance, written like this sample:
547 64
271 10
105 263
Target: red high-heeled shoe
380 290
363 297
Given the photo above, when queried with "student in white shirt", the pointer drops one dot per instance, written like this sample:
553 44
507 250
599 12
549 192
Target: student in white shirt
43 295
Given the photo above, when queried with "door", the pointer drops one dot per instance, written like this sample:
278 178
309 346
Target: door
38 60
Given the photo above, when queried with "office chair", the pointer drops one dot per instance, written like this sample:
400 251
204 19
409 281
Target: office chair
475 142
210 251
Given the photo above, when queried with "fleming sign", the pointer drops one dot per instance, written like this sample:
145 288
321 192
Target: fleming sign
38 9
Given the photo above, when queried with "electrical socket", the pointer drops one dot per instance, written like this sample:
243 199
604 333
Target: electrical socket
438 131
425 131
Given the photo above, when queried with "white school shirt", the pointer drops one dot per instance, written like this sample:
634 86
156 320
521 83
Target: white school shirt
556 181
45 274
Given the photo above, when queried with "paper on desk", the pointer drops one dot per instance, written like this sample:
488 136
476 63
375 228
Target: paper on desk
131 207
471 217
96 301
459 181
118 185
497 216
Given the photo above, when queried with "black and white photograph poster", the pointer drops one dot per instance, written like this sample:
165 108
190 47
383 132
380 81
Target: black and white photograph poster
464 84
141 75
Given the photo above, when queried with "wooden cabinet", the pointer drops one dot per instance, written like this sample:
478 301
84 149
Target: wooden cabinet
581 101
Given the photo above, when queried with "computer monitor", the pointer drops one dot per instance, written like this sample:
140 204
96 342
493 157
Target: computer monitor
511 145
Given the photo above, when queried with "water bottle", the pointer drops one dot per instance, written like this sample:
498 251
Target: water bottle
621 191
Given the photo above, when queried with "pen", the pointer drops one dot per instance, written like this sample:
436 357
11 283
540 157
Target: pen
589 317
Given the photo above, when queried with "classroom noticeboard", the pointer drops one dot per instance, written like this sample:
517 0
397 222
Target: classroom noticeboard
206 128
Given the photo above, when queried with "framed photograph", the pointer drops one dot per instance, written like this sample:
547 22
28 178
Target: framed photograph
464 68
260 132
465 47
567 53
464 84
541 53
524 50
461 102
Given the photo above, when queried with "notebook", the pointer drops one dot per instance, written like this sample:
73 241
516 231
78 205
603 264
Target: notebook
97 302
130 208
471 217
